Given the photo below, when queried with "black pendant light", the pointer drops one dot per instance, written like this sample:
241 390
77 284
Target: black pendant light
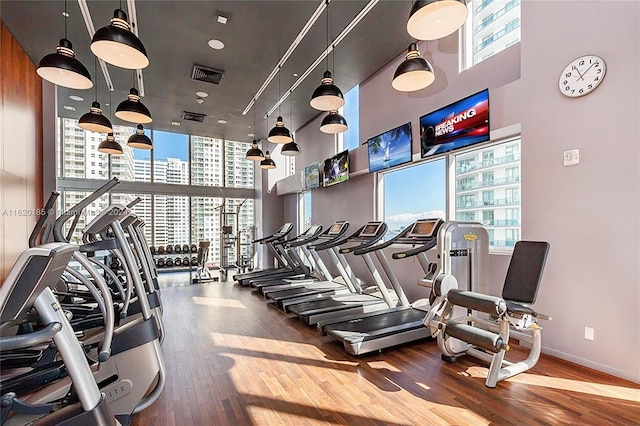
291 149
110 146
117 45
327 96
139 139
132 110
93 120
334 123
254 153
279 133
434 19
62 67
267 163
414 73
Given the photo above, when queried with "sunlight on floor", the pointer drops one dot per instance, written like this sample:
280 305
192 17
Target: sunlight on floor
218 302
590 388
261 344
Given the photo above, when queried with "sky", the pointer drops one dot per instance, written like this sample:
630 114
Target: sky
165 145
414 192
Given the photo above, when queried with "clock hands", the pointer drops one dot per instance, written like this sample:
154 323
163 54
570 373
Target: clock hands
582 76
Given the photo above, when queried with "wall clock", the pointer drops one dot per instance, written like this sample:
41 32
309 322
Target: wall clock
582 76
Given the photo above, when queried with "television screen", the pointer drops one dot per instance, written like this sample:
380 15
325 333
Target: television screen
312 176
460 124
390 148
336 169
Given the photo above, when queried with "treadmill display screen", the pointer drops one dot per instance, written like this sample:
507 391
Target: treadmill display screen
423 228
370 230
336 228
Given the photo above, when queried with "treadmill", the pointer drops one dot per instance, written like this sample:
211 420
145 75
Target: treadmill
359 300
373 331
300 272
270 242
328 285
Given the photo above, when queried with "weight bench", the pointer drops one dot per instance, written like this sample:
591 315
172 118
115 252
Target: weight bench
485 332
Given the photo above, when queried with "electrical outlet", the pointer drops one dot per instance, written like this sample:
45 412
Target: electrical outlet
572 157
589 333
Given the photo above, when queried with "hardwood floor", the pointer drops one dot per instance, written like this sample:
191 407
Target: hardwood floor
233 360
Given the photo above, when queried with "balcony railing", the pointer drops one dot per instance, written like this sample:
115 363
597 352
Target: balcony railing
498 35
501 222
488 183
493 17
466 168
502 243
488 203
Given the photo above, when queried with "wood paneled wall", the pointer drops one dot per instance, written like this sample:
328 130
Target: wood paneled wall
20 149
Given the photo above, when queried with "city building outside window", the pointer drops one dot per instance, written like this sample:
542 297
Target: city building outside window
494 196
491 27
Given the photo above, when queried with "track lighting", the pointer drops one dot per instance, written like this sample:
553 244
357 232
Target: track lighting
334 123
117 45
434 19
414 73
139 139
132 110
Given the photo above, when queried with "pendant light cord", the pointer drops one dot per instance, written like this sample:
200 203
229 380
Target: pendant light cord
279 92
95 75
327 7
66 15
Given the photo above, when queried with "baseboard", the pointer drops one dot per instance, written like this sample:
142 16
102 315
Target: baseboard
593 365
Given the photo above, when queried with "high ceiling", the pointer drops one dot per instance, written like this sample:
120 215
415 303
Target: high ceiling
257 33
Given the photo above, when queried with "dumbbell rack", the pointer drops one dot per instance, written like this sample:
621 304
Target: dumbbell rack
162 256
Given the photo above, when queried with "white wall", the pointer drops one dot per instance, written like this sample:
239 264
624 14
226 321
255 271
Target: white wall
589 213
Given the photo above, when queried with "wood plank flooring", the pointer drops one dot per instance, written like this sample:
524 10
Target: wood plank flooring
233 360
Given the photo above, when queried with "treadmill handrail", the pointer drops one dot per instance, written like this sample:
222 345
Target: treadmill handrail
415 251
275 236
332 240
382 230
78 208
303 239
43 218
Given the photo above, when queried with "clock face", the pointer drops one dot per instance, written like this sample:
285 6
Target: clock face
582 76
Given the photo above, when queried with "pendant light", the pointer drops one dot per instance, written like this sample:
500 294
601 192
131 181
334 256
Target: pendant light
334 123
279 133
267 163
139 139
93 120
291 149
117 45
254 153
132 110
414 73
434 19
110 145
327 96
62 67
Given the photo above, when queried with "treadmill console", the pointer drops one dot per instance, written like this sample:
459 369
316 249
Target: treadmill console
312 230
424 228
336 228
371 229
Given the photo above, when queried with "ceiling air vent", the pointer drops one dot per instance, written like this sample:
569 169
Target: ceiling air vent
206 74
193 116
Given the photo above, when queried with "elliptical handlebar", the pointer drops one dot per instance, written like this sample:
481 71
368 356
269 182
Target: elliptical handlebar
75 211
33 238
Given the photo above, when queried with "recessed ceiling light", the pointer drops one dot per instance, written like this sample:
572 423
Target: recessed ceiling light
222 19
76 98
295 74
251 135
216 44
175 123
69 108
65 14
202 94
222 121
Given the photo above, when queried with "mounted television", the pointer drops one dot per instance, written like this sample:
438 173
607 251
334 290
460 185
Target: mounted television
336 169
311 176
390 148
460 124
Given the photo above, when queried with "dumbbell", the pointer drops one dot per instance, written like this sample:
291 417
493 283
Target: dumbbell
185 248
194 248
178 261
194 261
177 248
161 262
152 249
160 249
186 261
169 263
169 248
